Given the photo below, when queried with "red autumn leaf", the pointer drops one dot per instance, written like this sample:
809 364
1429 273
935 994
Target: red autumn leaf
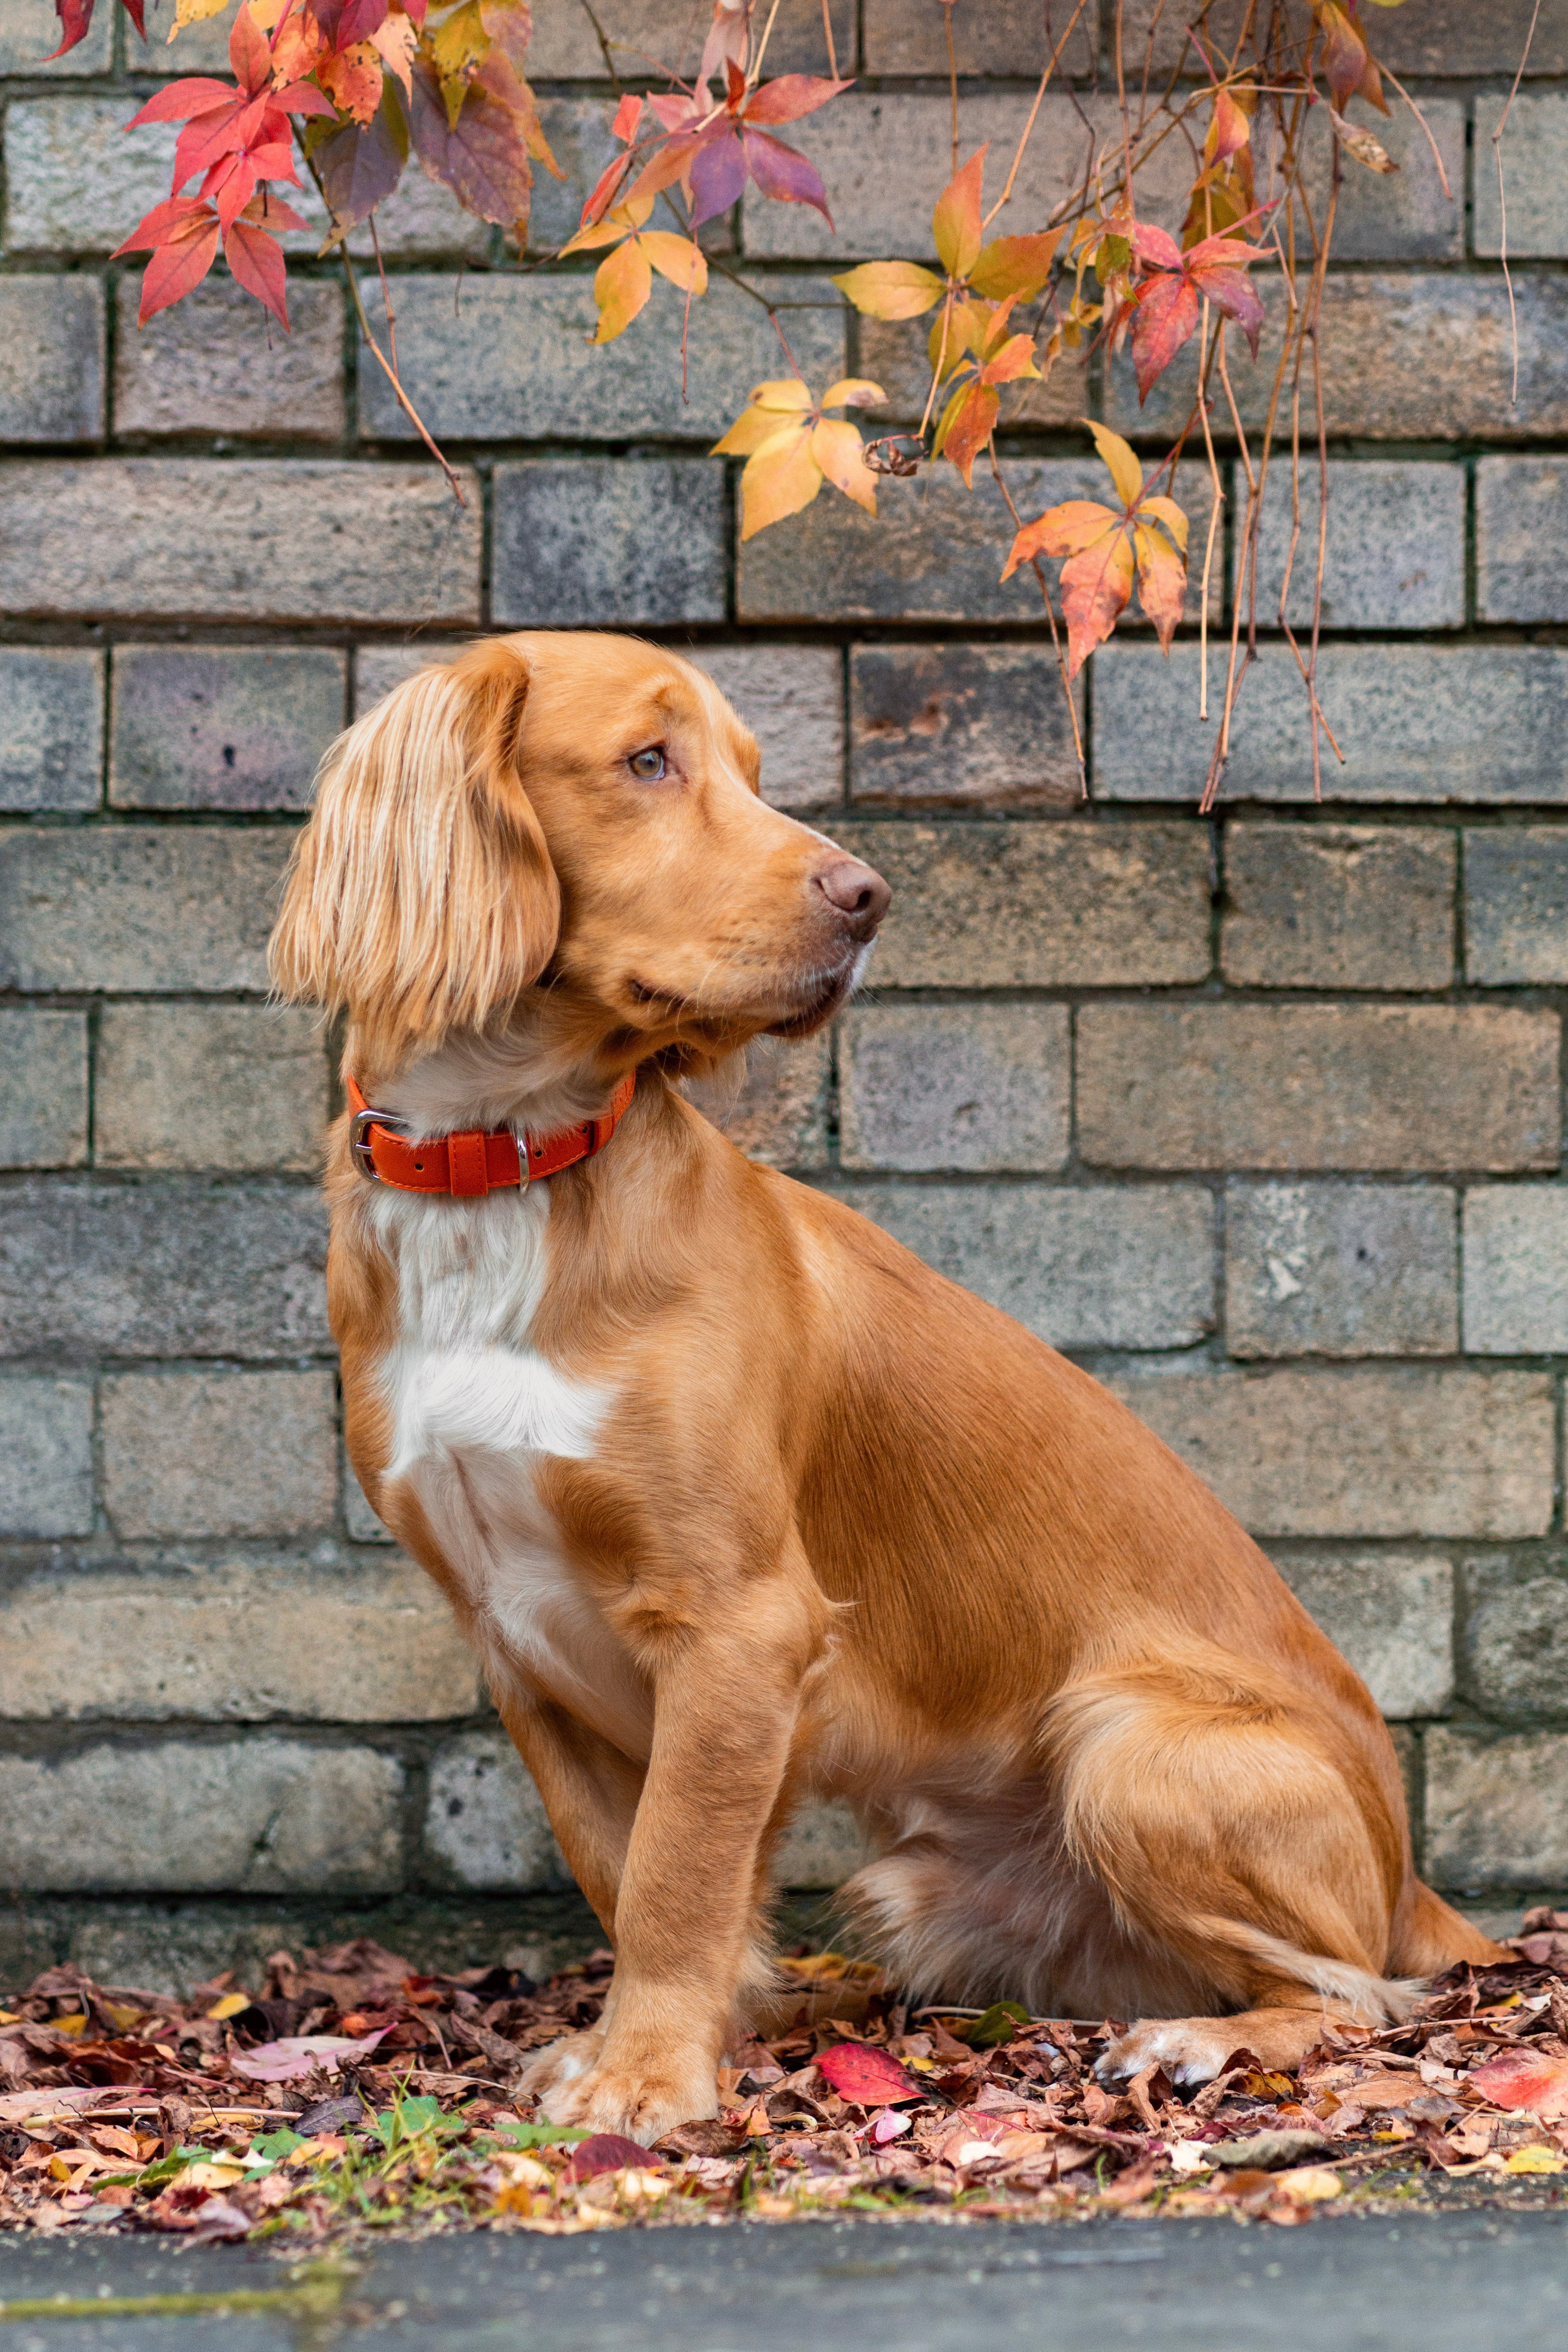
76 17
1347 64
178 265
605 2152
1522 2079
1166 304
1102 550
790 97
255 260
360 19
783 173
867 2076
628 114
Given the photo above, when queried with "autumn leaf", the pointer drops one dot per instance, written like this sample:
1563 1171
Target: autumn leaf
1362 145
195 12
1347 64
713 151
1167 302
1525 2079
605 2152
623 282
967 421
1103 550
792 447
955 223
1222 194
867 2076
891 290
359 166
351 79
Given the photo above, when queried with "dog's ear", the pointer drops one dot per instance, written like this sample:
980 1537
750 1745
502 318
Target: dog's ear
421 896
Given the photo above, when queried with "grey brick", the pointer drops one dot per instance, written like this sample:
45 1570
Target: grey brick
957 726
1321 1086
220 726
219 1453
178 1270
215 362
1437 724
885 159
1516 1637
1495 1815
1391 1452
1337 906
485 1822
1342 1270
1443 37
1038 905
514 362
972 1086
773 1102
1103 1268
1003 37
1516 906
29 30
51 359
378 668
240 1641
126 908
1516 1270
934 552
230 1087
43 1087
593 541
1391 1614
51 737
1424 354
223 542
896 354
1535 175
822 1846
245 1816
1405 217
45 1461
641 32
1395 549
792 699
1521 508
78 182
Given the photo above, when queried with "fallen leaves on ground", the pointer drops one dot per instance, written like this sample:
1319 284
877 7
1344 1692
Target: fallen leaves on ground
131 2111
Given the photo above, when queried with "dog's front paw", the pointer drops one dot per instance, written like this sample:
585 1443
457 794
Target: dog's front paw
576 2055
1192 2050
640 2103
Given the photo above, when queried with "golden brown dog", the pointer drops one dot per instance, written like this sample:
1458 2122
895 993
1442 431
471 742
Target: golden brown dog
741 1503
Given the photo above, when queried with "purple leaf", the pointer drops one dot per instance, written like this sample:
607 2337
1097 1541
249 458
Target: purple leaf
360 167
783 173
360 19
718 174
483 161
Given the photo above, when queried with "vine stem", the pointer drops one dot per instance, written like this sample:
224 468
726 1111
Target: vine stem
1503 199
997 477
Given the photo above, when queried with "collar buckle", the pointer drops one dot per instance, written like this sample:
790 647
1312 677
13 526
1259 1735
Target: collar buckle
360 1143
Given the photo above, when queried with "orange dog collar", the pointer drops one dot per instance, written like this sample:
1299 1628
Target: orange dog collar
481 1160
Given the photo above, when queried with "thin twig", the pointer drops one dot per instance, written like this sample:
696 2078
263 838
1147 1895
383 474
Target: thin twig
1215 502
1007 193
827 28
603 46
1427 127
1502 201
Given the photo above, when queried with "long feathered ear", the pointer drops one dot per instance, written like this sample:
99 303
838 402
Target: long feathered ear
421 896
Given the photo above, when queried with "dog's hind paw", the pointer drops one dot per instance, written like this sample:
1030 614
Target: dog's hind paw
562 2062
635 2101
1193 2050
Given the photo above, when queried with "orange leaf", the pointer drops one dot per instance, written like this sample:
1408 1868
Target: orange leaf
891 289
1162 580
955 223
353 81
1095 588
1019 265
970 427
678 258
781 477
1064 531
619 222
1167 511
837 447
1015 358
622 284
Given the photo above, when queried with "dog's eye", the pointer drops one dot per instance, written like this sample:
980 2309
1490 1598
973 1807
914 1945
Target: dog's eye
648 766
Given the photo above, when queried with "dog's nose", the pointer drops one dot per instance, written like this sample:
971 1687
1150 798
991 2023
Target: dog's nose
856 891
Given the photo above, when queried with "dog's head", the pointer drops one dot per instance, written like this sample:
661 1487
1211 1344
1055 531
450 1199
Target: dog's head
566 823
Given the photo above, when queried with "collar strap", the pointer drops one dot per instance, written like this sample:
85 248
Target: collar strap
481 1160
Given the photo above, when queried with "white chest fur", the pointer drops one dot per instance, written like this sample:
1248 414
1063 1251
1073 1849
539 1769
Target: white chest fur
474 1409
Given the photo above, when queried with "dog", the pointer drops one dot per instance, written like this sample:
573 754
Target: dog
737 1500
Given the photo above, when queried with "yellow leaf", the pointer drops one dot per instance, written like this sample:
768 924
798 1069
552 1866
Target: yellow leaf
73 2027
619 222
784 393
1019 265
678 258
230 2005
195 12
1311 2184
748 433
1536 2158
781 478
853 392
461 42
891 289
959 329
211 2176
1167 511
955 223
838 451
1125 471
622 284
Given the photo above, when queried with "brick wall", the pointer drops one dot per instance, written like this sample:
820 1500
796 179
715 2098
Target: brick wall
1259 1118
